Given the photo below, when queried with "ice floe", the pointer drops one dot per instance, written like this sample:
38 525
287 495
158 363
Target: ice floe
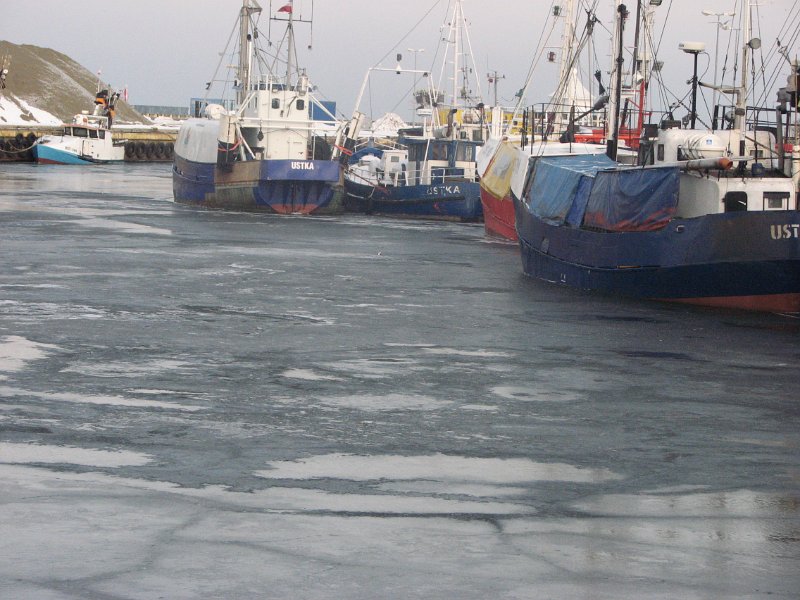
14 453
436 467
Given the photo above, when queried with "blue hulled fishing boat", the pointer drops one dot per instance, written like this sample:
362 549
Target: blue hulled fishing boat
710 217
269 152
429 178
87 139
430 171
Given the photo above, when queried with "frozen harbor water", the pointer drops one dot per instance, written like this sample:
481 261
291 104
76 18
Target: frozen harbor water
202 404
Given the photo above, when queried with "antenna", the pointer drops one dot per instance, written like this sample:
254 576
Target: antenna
493 78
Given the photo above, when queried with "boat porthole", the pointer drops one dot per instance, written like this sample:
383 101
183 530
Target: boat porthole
680 228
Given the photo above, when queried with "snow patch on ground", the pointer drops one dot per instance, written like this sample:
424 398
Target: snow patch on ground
15 111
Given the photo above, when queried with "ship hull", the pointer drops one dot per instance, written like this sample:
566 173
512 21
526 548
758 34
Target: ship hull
499 215
47 155
279 186
456 201
743 260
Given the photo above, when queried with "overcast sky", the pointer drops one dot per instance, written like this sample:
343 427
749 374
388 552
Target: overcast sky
165 50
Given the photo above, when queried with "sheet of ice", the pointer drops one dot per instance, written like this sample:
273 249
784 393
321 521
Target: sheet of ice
10 392
212 542
452 489
15 453
371 402
16 352
545 393
32 286
436 467
128 369
36 311
471 353
107 537
738 503
365 368
121 226
400 345
96 217
308 375
272 499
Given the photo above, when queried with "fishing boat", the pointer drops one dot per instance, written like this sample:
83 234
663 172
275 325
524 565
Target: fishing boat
431 171
709 218
86 140
269 152
570 123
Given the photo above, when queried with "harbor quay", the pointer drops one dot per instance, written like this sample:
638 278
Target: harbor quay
143 143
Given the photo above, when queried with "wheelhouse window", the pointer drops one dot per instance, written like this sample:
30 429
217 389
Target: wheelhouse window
276 103
80 132
301 105
776 200
465 152
416 153
438 151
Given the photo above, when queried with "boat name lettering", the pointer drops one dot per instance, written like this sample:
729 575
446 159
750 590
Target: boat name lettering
308 166
785 232
441 190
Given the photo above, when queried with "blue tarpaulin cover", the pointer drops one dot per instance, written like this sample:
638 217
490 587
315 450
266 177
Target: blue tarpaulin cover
632 199
555 182
594 191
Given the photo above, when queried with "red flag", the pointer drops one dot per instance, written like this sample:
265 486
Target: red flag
287 8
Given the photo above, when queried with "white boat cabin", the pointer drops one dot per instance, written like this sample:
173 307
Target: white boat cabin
754 183
274 122
438 161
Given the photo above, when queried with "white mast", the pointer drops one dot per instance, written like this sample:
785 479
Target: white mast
249 7
290 60
741 95
567 43
456 25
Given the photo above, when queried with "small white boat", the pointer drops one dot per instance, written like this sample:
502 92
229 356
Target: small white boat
86 140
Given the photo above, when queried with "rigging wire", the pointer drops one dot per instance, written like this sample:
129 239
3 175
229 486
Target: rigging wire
408 33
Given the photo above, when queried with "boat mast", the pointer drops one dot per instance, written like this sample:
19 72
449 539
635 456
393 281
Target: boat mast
567 48
616 79
741 95
291 59
249 7
645 59
456 26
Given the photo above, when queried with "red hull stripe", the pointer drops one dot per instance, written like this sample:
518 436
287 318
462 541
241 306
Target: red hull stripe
781 303
498 216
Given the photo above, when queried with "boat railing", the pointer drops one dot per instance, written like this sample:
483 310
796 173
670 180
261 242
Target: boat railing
381 144
430 175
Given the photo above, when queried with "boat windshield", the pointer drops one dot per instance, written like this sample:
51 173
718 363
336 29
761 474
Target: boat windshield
80 132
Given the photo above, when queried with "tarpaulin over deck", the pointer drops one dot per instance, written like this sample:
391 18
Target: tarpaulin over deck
555 182
593 191
632 199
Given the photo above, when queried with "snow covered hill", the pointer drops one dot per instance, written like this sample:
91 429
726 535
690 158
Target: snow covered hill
46 87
